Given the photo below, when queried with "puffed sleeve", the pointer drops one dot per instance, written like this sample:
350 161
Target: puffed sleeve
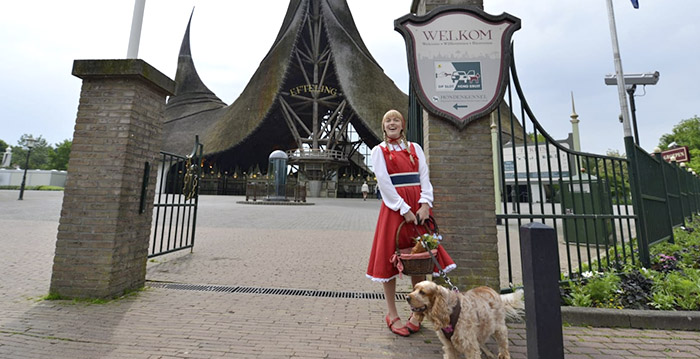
426 188
390 197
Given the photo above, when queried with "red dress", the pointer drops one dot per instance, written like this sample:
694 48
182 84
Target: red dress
380 268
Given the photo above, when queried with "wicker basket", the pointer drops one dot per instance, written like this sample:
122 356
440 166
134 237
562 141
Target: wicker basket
414 264
418 263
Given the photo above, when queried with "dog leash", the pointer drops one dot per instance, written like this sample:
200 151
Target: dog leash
442 271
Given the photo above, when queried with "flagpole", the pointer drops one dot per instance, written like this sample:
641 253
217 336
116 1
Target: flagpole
136 22
618 72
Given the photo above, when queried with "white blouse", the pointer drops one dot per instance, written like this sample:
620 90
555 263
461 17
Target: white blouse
390 197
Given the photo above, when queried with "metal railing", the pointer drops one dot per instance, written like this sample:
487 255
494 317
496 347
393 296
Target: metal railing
310 153
261 190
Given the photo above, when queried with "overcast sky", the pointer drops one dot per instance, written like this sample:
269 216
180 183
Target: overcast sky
563 46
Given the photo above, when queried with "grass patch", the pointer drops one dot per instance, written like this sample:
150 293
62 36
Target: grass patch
52 296
98 301
33 188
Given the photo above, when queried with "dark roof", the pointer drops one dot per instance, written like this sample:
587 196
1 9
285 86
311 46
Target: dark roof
245 132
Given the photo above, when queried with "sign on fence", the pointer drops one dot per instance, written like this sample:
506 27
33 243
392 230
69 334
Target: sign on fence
678 154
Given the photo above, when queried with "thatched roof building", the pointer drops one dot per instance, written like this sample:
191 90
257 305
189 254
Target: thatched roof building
317 74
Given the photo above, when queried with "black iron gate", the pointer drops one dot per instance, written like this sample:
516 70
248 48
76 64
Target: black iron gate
585 197
606 209
175 209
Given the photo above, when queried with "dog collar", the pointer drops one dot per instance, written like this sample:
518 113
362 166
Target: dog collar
450 329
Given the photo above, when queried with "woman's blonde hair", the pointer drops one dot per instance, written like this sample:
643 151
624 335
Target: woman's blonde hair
395 113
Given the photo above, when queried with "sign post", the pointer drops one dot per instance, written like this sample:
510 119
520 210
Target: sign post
458 60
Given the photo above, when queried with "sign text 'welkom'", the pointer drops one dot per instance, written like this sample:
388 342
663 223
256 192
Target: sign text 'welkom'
458 60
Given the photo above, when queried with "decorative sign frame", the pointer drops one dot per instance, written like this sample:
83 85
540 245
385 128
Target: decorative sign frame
458 58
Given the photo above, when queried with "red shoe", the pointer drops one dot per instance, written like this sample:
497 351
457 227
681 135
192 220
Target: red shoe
411 327
403 331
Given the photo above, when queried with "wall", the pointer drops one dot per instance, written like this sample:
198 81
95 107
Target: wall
34 178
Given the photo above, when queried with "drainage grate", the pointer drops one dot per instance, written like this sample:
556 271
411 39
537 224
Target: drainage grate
273 291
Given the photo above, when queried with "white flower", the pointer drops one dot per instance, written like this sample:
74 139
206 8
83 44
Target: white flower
587 274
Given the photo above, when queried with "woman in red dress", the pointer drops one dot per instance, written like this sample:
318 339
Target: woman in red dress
407 195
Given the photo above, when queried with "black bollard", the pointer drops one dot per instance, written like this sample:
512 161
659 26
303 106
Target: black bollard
540 261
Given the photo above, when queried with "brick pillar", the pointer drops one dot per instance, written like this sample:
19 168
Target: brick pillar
102 242
461 170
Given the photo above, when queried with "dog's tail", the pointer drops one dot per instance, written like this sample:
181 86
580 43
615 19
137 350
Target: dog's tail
515 305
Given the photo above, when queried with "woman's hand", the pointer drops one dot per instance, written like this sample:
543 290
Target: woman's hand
423 213
409 217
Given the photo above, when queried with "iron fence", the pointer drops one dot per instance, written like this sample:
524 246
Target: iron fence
606 209
585 197
261 190
666 195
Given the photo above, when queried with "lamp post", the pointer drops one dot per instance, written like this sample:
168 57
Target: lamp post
29 142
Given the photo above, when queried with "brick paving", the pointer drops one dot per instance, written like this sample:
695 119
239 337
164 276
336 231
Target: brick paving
319 247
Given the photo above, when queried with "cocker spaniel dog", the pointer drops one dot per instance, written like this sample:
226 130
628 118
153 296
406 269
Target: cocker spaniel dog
464 321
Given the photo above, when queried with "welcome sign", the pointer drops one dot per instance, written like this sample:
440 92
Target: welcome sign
458 59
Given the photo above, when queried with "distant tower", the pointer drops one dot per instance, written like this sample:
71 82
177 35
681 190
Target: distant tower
574 125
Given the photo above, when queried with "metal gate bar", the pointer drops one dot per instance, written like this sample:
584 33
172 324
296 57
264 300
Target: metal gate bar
175 210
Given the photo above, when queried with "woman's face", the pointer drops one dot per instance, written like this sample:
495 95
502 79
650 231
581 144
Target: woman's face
393 126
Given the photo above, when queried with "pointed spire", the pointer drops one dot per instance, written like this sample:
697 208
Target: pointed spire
190 91
574 116
574 125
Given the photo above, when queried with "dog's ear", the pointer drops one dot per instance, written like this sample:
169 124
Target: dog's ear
438 308
419 316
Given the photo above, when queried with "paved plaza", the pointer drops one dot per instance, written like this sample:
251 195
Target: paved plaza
313 249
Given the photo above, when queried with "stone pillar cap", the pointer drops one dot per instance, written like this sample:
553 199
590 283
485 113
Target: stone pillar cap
88 69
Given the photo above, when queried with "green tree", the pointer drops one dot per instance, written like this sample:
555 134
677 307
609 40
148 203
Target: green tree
3 146
540 138
58 157
617 174
685 133
613 171
39 158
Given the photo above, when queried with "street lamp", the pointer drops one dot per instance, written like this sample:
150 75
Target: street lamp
631 82
29 142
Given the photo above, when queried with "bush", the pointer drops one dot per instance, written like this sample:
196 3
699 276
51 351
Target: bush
635 290
672 282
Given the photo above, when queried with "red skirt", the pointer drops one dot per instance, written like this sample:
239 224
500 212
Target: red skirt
380 268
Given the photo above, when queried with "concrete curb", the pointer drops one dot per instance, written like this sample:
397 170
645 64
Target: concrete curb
631 318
